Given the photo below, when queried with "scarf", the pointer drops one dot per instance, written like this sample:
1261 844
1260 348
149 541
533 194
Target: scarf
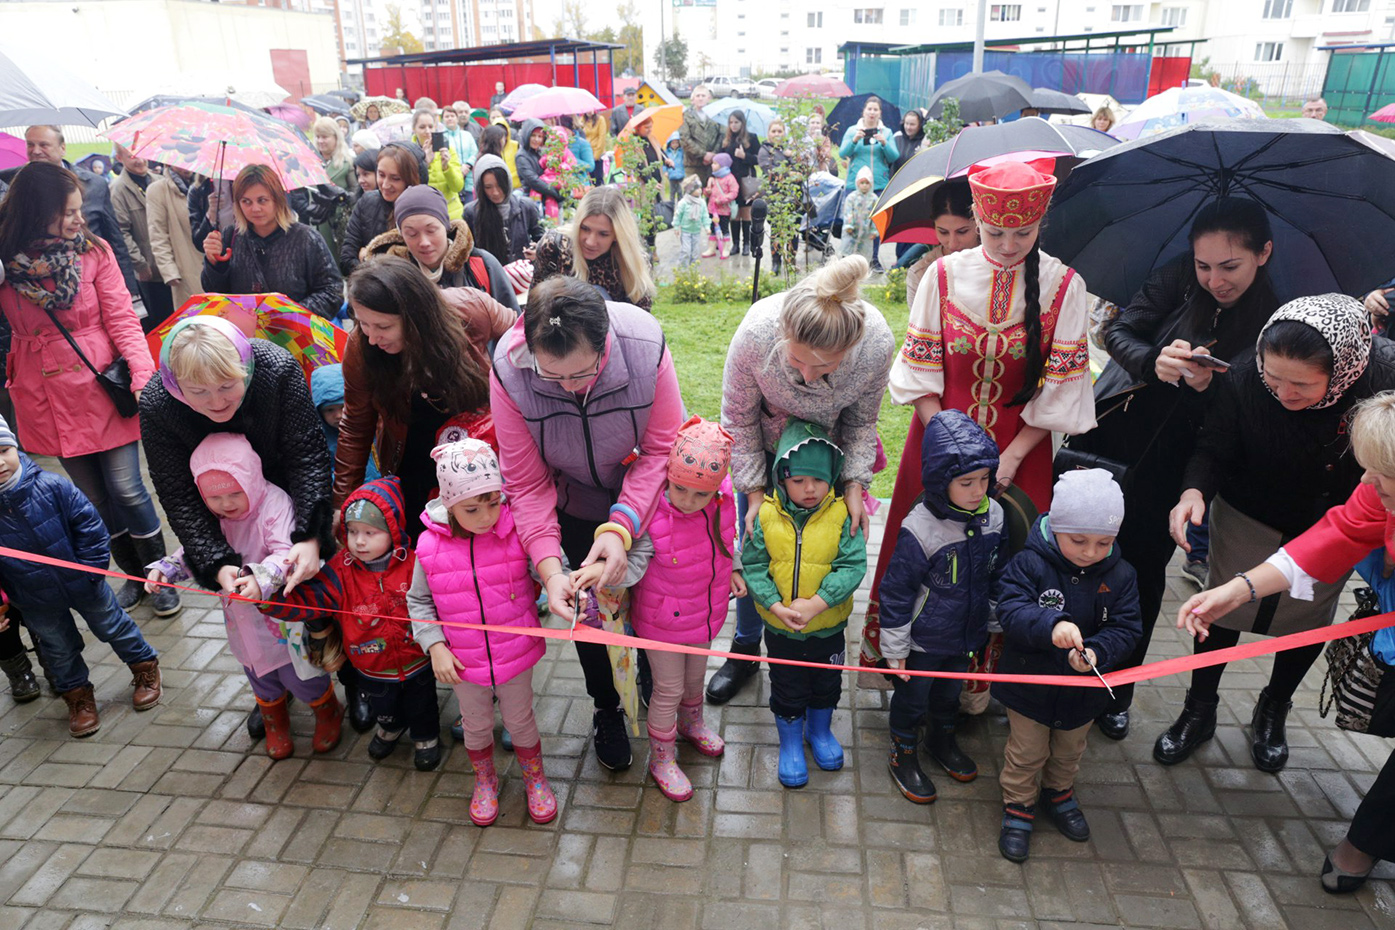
1343 324
179 183
48 273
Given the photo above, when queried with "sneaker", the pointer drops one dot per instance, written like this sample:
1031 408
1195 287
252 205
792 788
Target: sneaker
612 739
1196 573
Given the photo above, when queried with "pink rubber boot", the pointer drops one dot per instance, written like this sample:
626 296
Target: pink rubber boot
484 803
542 803
663 765
692 726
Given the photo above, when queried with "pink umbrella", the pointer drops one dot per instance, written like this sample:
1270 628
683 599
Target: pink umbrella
813 85
12 152
1385 114
557 101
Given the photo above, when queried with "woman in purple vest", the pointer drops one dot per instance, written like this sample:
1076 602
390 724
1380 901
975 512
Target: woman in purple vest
586 407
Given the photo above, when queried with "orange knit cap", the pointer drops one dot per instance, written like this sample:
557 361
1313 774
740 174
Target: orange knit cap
701 456
1011 194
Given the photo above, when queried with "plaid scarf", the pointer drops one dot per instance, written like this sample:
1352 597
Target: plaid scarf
47 273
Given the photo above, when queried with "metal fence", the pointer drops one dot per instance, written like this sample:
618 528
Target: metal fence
1276 84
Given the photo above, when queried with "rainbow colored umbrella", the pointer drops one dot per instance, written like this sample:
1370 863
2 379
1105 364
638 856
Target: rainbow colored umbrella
313 340
218 142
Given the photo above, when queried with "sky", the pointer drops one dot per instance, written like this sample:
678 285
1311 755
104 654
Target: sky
598 14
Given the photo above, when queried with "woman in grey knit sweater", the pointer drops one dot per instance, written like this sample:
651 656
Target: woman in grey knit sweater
817 352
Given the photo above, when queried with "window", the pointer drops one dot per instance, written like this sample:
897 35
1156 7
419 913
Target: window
813 56
1130 13
1004 12
1177 15
815 20
1278 9
1350 6
1269 51
908 17
872 16
951 17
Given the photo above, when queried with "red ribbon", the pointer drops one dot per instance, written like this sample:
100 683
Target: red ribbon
1145 672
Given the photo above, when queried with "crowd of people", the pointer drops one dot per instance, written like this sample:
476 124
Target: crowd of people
472 465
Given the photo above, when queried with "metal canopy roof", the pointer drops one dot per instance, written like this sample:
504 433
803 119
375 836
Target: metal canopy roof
542 48
1100 38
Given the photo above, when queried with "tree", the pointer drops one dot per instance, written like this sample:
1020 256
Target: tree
574 19
631 57
395 35
673 58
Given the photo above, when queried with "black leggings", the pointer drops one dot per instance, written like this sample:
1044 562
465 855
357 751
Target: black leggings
1289 666
578 536
11 645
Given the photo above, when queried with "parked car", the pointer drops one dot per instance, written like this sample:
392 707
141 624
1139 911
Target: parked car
765 87
730 87
684 88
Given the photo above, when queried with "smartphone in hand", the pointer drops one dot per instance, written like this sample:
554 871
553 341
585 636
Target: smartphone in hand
1211 362
438 141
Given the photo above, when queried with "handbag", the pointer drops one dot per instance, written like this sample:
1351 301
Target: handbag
1358 684
751 188
115 379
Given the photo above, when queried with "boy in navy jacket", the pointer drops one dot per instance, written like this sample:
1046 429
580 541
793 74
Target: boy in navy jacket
1068 605
936 593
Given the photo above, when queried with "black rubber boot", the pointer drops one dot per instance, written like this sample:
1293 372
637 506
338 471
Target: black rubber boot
165 601
1196 725
941 746
735 236
1270 746
123 553
906 771
745 236
360 712
734 674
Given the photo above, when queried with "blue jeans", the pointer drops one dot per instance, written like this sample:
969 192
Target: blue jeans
112 482
937 696
58 636
748 623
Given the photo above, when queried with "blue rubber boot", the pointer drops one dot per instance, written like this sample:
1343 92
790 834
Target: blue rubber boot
828 753
794 771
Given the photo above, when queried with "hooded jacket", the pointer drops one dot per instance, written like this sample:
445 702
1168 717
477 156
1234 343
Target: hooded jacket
936 593
683 595
47 514
879 154
463 266
529 163
479 578
278 419
1041 588
521 216
510 149
675 155
295 262
796 553
377 636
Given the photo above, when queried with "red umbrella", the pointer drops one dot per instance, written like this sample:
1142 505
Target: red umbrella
813 85
1385 114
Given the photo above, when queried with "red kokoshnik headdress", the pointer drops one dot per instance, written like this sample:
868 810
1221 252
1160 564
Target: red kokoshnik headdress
1010 195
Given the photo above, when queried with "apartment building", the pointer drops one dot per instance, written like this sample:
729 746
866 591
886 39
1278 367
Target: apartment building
469 23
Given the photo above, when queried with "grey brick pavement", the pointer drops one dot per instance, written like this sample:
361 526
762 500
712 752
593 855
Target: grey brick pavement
173 819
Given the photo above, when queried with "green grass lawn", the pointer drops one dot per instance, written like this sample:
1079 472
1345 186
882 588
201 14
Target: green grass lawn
698 335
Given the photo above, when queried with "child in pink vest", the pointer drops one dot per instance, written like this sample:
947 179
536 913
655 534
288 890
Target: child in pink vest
256 518
471 568
682 597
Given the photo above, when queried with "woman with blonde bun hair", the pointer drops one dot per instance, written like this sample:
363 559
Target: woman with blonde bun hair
817 352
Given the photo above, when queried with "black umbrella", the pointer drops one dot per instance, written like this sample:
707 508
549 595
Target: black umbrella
849 110
326 105
1330 197
903 212
1046 100
983 96
348 95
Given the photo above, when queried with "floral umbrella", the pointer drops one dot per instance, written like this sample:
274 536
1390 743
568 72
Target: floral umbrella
395 128
218 142
387 106
519 94
313 340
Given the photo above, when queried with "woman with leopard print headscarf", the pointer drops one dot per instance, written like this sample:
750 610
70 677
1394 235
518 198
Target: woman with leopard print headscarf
1271 458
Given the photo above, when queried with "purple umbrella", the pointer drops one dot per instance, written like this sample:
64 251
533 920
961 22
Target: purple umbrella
12 152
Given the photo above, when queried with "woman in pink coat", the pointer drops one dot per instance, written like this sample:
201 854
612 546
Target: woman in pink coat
56 273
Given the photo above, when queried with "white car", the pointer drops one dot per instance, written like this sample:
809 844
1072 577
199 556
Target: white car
730 87
765 88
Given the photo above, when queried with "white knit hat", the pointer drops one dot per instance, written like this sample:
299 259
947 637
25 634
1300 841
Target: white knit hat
1087 501
466 469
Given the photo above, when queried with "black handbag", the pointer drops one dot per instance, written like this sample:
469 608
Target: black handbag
1359 685
115 379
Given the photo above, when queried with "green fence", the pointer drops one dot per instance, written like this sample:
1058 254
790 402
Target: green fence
1358 84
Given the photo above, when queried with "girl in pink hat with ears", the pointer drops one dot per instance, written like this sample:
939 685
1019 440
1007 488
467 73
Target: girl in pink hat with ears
471 568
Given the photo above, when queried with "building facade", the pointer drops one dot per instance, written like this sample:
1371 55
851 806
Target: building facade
449 24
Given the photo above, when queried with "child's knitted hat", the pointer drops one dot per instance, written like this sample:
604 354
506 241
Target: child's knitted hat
7 438
701 456
362 510
466 469
1087 501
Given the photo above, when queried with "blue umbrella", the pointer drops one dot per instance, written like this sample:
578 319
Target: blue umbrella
758 115
849 110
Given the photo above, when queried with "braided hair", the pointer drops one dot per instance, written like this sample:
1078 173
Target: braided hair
1031 318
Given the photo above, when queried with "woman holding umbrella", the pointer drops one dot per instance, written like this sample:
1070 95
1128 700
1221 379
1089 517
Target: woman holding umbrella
1212 301
867 143
59 278
907 140
269 251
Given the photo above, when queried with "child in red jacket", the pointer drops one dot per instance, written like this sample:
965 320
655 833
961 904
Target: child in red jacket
362 590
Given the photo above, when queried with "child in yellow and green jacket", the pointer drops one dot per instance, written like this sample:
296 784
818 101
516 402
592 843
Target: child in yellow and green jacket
803 564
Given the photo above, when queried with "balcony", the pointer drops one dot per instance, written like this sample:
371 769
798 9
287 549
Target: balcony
1306 27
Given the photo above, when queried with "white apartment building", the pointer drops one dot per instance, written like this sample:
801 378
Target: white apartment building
745 37
469 23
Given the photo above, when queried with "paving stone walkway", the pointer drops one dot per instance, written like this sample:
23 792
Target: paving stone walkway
174 819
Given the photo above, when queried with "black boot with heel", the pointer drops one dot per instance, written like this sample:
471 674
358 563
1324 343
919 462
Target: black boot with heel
1270 743
1196 725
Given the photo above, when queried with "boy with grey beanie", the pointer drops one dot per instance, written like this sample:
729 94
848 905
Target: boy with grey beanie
1068 606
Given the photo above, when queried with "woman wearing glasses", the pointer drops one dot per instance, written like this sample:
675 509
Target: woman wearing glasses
414 363
586 407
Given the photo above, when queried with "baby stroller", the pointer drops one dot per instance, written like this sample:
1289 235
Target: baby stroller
823 204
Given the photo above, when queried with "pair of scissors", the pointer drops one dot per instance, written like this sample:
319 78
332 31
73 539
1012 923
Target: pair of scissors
1085 657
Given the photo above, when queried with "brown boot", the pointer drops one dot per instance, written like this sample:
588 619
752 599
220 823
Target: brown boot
82 712
329 719
146 677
